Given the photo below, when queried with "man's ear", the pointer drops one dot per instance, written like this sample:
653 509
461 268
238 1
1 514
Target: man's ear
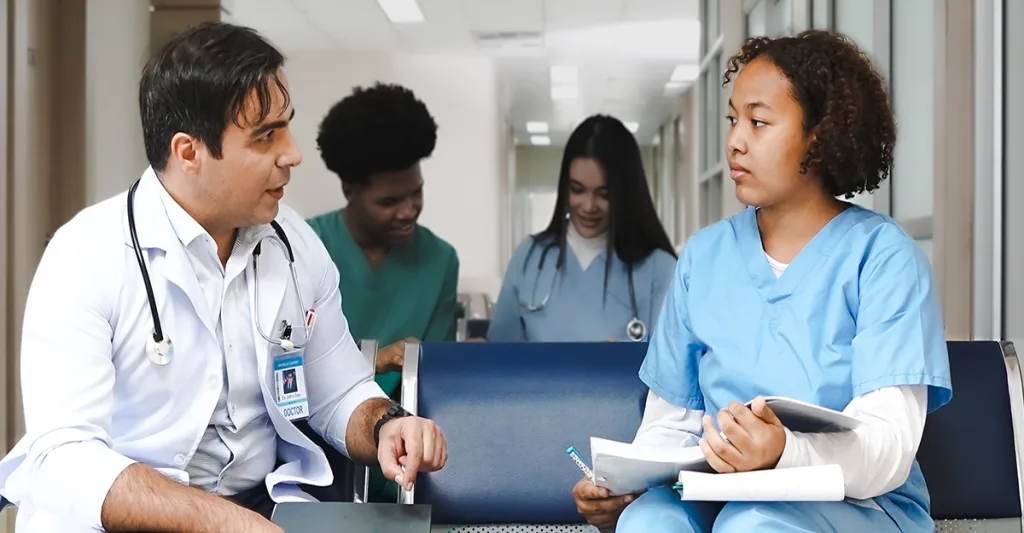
186 149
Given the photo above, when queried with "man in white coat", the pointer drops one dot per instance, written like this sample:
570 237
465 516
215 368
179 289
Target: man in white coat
160 324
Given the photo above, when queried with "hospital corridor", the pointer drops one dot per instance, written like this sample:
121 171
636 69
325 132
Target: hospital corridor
511 266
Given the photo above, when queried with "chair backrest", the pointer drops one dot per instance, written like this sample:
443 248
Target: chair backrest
509 411
970 455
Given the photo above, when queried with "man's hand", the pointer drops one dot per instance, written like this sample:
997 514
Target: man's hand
391 357
409 445
754 438
599 508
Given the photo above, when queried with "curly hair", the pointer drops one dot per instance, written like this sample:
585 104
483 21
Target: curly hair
845 106
377 129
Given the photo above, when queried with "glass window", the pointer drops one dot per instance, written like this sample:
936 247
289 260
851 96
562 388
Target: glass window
780 18
713 109
821 13
711 27
705 207
913 81
715 198
757 20
926 247
856 19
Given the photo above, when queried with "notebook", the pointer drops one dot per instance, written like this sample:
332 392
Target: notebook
625 468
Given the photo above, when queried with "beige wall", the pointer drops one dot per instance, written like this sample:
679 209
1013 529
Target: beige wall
538 166
462 94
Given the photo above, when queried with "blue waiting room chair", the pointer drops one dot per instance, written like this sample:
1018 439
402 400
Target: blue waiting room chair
510 410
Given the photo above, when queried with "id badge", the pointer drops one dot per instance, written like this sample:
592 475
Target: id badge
290 385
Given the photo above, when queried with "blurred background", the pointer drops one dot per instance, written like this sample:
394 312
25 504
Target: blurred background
507 81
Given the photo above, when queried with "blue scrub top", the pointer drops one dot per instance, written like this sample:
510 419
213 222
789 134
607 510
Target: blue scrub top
579 309
856 310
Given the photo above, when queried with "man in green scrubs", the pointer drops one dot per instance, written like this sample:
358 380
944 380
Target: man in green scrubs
398 280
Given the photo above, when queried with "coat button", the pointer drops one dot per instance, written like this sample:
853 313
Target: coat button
179 460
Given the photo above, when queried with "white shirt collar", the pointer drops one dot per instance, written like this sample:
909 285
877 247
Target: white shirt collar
586 249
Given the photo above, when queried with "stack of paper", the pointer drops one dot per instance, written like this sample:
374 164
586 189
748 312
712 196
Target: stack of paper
625 468
811 484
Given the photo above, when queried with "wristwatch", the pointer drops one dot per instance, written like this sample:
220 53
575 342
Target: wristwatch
395 411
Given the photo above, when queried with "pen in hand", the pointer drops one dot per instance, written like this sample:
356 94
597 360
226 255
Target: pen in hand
575 456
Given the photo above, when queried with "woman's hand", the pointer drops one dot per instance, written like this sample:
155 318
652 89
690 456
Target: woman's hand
754 438
599 508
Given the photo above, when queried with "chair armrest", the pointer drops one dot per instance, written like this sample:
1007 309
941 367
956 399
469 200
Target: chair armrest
410 397
361 476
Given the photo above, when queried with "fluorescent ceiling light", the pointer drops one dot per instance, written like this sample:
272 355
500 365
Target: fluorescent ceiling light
564 92
401 11
540 140
564 75
685 73
632 126
537 127
673 87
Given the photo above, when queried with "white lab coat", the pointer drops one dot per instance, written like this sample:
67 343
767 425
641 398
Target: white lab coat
94 403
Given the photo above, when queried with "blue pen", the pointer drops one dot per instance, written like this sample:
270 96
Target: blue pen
575 456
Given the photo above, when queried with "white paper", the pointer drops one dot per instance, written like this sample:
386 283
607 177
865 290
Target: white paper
625 468
803 417
803 484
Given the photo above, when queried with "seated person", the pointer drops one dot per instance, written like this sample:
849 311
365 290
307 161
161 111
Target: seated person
150 388
398 280
801 295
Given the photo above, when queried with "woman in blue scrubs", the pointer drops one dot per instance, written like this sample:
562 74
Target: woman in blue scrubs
801 295
601 268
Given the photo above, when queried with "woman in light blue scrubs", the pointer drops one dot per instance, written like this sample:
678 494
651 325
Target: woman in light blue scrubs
601 268
800 295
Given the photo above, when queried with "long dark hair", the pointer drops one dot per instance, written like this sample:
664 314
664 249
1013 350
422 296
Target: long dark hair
634 231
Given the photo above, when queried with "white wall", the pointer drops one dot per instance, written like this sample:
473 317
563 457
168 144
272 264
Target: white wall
461 179
117 46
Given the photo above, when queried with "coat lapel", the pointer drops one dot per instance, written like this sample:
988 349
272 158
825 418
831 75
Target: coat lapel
156 234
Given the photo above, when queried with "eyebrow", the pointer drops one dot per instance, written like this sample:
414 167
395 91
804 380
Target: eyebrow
753 105
580 183
267 126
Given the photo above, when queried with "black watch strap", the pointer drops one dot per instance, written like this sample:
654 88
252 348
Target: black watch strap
395 411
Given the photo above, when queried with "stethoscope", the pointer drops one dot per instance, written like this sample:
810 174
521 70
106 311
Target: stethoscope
636 329
159 348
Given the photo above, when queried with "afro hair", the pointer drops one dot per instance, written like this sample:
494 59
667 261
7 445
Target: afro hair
845 105
376 129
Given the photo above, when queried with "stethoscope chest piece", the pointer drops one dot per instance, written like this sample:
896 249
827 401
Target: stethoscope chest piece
636 330
159 353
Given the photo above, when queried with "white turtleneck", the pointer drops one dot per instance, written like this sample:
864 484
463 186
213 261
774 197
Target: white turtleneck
585 248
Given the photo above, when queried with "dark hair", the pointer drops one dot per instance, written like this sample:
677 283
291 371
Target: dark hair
199 83
377 129
634 231
845 105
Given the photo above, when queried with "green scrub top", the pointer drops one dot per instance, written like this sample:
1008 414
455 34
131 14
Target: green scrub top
411 294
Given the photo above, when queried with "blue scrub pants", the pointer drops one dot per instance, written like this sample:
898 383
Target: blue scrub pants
661 511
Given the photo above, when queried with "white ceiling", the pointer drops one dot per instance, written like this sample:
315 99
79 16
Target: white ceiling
624 50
